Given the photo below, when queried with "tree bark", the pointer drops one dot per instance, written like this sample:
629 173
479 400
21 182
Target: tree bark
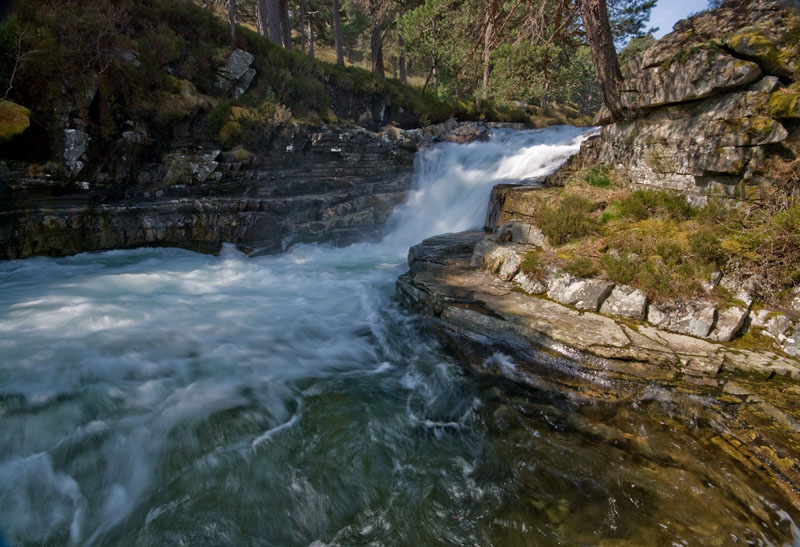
232 17
261 17
402 60
337 33
303 26
376 38
310 38
488 39
376 52
604 55
274 20
286 30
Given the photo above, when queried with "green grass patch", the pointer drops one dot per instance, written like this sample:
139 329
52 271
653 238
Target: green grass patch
598 176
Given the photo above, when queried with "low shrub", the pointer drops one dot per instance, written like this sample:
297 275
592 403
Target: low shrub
619 269
531 263
705 246
571 220
581 267
643 204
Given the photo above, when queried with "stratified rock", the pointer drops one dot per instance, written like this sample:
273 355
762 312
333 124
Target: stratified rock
584 294
290 189
190 168
443 249
729 322
625 301
696 75
701 118
520 232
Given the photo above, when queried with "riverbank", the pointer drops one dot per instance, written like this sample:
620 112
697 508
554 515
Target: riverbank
498 330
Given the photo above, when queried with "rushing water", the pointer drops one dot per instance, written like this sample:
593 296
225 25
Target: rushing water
161 397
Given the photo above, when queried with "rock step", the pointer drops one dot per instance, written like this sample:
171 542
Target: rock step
503 253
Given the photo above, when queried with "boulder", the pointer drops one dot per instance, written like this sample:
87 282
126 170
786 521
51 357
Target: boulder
791 345
584 294
76 142
236 73
695 318
243 83
237 65
530 284
729 322
625 301
779 325
502 260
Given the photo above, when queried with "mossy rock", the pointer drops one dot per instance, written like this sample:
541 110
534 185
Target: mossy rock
779 59
14 119
785 103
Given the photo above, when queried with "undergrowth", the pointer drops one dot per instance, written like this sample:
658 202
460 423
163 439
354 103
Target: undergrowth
656 241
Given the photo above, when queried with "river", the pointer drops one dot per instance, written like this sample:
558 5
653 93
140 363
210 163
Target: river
162 397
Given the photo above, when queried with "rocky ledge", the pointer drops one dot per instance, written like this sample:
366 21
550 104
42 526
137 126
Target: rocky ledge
712 108
332 184
496 328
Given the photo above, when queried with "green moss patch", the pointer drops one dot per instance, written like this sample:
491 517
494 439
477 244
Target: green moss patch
14 119
784 103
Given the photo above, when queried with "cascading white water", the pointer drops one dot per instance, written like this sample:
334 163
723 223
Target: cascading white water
453 182
158 396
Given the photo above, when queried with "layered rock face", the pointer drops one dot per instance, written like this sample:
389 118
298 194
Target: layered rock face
330 185
472 295
709 104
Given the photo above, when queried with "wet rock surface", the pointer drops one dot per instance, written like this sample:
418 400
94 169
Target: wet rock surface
590 356
329 185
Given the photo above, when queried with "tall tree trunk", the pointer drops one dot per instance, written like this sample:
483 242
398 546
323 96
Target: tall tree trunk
598 30
286 30
402 60
303 26
232 17
488 39
261 17
430 74
337 32
310 38
376 51
274 20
